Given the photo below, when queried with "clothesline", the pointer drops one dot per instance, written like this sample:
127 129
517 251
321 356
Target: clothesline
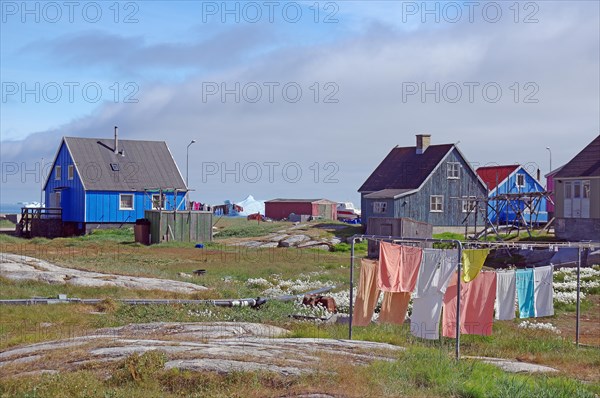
459 267
548 245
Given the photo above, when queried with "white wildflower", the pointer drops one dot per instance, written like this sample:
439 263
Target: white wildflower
538 326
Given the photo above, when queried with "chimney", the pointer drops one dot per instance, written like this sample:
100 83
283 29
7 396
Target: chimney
423 141
116 149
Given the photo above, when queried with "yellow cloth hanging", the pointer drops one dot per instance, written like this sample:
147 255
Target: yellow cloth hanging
473 260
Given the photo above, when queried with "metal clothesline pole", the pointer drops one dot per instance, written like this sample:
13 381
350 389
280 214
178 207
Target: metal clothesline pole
351 287
578 290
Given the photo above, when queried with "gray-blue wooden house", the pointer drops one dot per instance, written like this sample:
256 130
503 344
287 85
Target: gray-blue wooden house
103 182
430 183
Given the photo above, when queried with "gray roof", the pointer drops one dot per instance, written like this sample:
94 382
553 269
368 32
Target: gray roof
389 193
585 164
143 165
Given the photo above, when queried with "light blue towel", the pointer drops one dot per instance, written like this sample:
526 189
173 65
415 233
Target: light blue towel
525 293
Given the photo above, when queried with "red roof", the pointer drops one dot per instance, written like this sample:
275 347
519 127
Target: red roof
493 175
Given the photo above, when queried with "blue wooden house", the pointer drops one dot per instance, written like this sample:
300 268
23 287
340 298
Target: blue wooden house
513 194
104 182
429 183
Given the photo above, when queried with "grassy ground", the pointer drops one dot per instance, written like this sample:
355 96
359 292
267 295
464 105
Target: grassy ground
426 369
4 223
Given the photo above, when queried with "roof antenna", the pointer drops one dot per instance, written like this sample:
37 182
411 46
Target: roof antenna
116 146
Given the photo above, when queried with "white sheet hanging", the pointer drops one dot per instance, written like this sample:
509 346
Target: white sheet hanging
543 293
436 269
506 283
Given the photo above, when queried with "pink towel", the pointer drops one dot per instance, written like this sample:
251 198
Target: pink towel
476 306
398 267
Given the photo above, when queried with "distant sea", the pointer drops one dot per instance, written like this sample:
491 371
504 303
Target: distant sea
11 208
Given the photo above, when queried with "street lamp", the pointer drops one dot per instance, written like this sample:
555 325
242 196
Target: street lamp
187 170
550 152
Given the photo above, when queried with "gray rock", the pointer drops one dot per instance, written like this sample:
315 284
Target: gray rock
269 245
335 240
293 240
17 267
511 366
309 243
217 347
277 238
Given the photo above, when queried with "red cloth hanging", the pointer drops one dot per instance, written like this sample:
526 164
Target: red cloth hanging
398 267
476 306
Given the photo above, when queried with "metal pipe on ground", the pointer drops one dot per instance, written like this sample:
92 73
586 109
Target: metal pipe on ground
245 302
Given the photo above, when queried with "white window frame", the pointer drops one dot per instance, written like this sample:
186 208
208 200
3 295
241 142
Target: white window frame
453 170
156 205
57 172
121 201
70 172
379 207
434 203
520 177
568 190
468 203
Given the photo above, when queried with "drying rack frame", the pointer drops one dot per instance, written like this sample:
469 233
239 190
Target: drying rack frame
582 248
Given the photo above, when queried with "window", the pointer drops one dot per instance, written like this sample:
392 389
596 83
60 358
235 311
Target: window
379 207
520 180
157 203
57 173
436 203
576 190
70 171
568 193
453 170
126 201
469 204
586 189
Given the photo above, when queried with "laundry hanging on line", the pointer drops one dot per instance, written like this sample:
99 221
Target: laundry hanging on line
398 267
367 293
525 292
437 267
473 260
543 292
476 306
394 307
505 295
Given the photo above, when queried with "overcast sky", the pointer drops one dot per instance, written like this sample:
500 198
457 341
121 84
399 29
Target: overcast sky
297 99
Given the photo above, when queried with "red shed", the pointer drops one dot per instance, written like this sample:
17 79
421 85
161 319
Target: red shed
280 209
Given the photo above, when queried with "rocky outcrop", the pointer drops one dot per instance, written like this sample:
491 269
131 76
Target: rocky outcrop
18 267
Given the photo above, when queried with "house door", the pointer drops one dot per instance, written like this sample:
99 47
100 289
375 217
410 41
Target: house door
55 199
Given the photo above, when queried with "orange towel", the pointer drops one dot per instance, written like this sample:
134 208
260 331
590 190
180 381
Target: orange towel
398 267
394 307
476 306
367 293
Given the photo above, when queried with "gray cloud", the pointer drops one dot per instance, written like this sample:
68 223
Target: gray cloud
559 55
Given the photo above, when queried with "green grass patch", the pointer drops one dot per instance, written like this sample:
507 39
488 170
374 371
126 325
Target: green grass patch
4 223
